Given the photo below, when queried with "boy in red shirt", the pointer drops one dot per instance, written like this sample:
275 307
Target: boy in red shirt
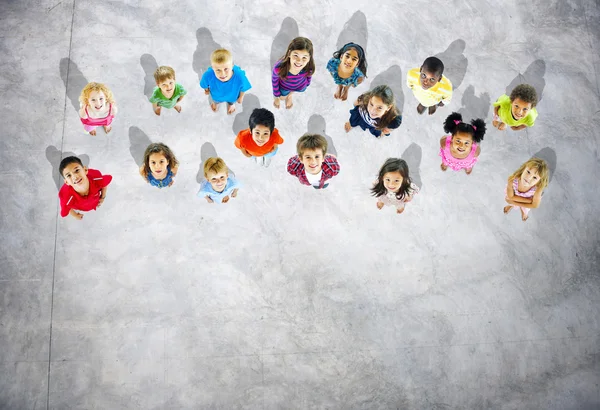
313 166
84 189
261 140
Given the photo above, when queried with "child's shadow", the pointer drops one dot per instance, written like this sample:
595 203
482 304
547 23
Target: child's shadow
138 141
241 120
412 155
455 63
73 79
534 76
288 32
392 77
355 31
473 106
548 155
316 125
208 151
206 45
54 156
149 65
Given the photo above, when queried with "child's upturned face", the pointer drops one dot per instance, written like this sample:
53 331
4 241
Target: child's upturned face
167 85
75 175
158 164
519 108
298 59
97 100
428 79
218 180
261 134
350 59
223 71
392 181
462 142
530 177
312 160
377 108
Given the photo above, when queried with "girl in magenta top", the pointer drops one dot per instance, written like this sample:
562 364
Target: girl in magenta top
460 149
97 108
293 72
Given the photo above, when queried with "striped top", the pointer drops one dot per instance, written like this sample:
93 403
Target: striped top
292 82
441 92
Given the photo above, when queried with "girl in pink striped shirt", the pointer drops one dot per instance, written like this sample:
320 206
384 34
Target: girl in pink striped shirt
293 72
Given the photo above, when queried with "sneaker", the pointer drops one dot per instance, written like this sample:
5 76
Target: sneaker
266 161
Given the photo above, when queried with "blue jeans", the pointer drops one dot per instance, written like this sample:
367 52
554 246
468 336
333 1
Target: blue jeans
269 154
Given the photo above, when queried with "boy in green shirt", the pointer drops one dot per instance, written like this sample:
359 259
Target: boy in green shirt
168 93
517 111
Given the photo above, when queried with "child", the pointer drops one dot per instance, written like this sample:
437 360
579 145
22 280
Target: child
224 82
293 72
393 186
429 85
460 150
376 111
518 111
525 186
312 166
97 107
348 67
84 189
167 93
260 142
219 186
160 165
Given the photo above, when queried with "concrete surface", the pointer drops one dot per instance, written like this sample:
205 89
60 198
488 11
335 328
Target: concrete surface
288 297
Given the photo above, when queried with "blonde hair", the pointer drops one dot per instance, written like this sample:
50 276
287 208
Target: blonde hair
220 56
90 87
163 73
214 165
538 164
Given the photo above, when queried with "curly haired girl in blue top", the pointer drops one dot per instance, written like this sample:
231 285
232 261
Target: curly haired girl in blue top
348 67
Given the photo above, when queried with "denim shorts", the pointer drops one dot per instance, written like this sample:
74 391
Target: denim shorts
285 93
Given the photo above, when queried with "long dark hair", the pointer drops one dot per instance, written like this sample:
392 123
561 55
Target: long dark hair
362 58
386 95
393 165
158 148
454 124
299 43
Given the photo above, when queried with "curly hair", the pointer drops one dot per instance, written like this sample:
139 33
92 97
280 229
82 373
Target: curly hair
454 123
386 95
299 43
538 164
158 148
525 93
90 87
393 165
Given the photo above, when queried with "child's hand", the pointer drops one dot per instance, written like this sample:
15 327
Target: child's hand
246 153
100 201
386 130
234 193
441 104
226 199
502 126
78 215
207 90
380 205
171 183
276 102
360 80
209 200
240 99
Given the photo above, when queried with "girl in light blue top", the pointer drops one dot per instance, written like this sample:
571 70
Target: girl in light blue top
348 67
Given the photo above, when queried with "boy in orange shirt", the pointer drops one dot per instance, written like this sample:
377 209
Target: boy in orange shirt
260 142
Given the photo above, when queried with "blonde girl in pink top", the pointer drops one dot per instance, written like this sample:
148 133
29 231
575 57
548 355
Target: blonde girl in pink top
525 186
460 149
97 108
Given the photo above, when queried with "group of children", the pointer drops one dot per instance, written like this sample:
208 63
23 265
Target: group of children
375 111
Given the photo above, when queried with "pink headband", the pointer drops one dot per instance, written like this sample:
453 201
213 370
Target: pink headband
458 122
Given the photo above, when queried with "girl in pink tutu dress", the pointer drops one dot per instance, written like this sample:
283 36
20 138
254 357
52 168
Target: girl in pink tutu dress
460 149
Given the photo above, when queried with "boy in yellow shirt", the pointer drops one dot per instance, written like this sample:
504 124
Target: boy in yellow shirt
429 85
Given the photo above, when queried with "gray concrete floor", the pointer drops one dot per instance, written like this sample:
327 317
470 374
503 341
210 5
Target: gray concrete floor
288 297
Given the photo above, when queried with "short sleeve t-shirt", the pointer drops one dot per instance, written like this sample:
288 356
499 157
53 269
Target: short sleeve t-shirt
159 99
229 90
244 140
505 113
314 179
441 92
71 199
206 189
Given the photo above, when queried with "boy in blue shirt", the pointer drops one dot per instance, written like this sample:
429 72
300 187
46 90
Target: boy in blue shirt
219 186
224 82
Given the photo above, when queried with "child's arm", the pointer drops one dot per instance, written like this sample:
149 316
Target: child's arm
75 214
531 202
102 195
180 98
82 113
360 79
209 199
520 127
115 109
175 169
443 142
478 151
240 97
234 193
